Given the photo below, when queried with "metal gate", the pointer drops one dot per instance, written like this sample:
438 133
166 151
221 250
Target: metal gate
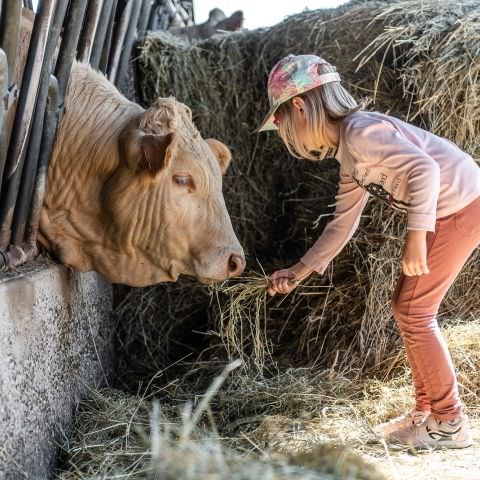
101 32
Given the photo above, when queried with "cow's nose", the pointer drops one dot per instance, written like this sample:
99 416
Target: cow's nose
236 264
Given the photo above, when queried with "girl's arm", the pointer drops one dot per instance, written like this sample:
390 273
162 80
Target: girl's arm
349 204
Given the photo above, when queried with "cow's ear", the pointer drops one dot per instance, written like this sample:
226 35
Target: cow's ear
156 152
222 152
147 153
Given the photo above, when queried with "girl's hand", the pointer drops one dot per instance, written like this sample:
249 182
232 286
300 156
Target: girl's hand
284 281
414 259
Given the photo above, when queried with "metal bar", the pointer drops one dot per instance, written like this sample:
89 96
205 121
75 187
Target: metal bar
153 17
15 256
56 94
10 33
89 30
18 254
23 115
126 51
119 40
68 48
24 195
52 118
144 16
103 64
3 105
26 184
101 33
9 38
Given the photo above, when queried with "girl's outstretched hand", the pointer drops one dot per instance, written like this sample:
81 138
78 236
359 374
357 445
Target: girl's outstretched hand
284 281
414 259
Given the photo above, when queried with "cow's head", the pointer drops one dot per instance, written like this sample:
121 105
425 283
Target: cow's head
164 204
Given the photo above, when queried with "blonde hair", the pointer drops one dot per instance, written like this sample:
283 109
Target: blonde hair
328 102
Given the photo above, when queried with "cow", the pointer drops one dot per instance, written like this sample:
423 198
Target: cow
217 22
136 194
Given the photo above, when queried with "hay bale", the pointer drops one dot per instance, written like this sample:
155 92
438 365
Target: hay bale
154 327
279 205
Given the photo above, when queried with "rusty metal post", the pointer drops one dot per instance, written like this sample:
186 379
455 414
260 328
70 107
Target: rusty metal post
144 16
119 40
52 117
152 24
17 254
54 110
25 190
23 117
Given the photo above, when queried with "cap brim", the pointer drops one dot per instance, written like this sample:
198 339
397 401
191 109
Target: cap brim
268 121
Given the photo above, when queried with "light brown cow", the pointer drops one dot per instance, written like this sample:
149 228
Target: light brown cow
136 194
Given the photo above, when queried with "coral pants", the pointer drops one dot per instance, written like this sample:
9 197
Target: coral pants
415 304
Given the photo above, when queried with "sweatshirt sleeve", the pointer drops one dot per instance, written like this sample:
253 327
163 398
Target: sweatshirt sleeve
349 204
379 142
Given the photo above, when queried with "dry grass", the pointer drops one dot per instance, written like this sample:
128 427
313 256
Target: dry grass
285 423
435 47
325 363
242 322
121 436
279 205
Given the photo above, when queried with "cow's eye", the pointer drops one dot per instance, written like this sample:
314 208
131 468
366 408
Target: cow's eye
184 181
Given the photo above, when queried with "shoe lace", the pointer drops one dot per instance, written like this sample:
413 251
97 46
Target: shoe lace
418 419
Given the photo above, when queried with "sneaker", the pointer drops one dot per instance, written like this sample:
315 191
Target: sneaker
433 433
398 423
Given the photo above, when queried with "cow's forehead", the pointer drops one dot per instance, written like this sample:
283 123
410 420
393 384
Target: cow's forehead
198 151
168 115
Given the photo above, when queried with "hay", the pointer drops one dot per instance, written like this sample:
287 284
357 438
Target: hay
242 319
435 48
165 316
282 423
325 363
279 205
121 436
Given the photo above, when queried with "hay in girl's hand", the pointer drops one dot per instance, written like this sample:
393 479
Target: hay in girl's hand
244 308
243 317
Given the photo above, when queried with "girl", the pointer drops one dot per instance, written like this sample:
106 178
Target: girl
430 178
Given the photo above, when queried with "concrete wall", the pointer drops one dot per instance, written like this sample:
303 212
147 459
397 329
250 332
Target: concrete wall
56 331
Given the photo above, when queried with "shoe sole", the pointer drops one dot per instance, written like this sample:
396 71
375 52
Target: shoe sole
450 444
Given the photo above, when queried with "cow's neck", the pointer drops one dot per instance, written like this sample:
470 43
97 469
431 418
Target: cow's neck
85 154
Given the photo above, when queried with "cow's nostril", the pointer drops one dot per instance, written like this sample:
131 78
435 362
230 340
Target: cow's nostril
232 263
235 265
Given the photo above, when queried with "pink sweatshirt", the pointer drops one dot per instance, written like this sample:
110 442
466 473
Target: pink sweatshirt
406 166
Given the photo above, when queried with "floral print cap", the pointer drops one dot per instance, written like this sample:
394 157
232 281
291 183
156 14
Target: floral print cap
292 75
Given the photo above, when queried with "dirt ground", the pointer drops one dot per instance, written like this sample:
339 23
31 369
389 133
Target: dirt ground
397 463
463 464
